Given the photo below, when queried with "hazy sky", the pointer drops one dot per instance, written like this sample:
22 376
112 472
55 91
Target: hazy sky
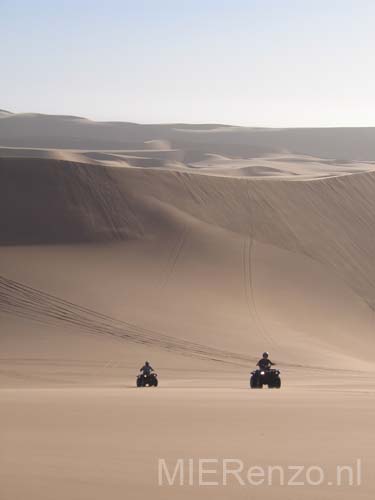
247 62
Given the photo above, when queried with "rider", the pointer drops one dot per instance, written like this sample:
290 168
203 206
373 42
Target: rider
146 369
265 363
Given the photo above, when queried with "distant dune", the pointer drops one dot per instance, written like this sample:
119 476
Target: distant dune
53 131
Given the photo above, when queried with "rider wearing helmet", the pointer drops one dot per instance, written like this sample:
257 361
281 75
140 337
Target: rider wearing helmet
146 369
265 363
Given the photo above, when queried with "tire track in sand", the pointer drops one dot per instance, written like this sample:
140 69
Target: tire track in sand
20 300
248 276
174 256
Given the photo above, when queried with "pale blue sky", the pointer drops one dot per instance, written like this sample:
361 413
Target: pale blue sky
255 62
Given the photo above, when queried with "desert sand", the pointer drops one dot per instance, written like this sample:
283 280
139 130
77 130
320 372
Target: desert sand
196 247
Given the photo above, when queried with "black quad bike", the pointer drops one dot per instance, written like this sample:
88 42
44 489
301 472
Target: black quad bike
150 380
271 377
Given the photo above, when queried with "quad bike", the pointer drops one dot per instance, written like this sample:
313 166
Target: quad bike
150 380
271 378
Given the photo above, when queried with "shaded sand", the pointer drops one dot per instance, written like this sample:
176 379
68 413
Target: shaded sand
197 259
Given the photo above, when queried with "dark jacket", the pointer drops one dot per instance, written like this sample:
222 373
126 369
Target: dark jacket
146 370
265 364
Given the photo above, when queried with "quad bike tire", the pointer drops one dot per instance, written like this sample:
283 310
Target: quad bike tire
254 384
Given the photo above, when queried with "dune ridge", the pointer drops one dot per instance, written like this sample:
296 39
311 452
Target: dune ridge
196 140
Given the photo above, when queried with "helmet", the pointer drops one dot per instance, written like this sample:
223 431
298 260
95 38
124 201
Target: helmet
265 355
147 363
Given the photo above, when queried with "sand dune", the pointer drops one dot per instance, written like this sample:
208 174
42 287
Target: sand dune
281 245
53 131
198 250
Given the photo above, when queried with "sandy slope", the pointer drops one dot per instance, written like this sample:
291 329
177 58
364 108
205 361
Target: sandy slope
198 259
280 246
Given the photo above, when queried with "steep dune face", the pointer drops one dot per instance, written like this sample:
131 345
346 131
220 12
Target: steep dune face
191 265
329 220
48 201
